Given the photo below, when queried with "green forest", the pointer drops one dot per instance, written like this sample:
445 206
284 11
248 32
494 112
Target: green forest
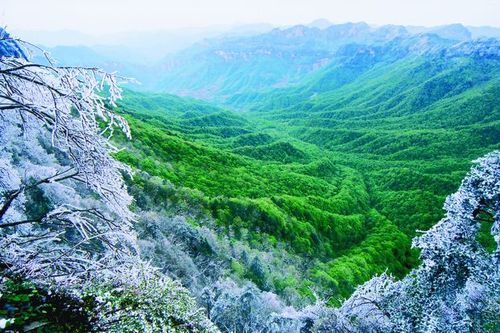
347 177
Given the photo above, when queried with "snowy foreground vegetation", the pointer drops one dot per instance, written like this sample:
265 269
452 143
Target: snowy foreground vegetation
76 257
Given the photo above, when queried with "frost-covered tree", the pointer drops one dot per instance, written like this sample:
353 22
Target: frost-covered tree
155 304
182 251
236 308
65 222
241 309
457 286
54 159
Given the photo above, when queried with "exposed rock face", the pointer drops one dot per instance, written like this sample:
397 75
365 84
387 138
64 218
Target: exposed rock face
489 48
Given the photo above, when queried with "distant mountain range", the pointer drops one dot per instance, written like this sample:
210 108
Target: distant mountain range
220 69
140 47
221 65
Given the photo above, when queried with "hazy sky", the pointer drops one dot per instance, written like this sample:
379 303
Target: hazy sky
95 16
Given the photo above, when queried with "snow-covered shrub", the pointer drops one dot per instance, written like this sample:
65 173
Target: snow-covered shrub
237 308
156 304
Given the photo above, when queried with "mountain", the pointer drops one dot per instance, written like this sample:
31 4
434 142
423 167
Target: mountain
360 154
360 64
223 67
484 32
130 54
457 30
219 69
138 47
78 56
451 31
320 24
100 57
8 47
222 62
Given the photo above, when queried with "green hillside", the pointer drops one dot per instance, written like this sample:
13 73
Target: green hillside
410 125
287 194
346 178
340 171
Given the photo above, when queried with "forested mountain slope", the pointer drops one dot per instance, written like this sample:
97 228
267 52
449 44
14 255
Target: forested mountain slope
332 177
327 180
281 190
414 118
220 68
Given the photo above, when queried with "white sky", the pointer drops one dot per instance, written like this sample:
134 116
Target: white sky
94 16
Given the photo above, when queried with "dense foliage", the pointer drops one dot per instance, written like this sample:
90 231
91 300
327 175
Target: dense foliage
456 288
317 209
329 183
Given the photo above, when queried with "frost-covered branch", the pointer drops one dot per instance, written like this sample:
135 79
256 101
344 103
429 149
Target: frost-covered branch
70 103
54 160
65 221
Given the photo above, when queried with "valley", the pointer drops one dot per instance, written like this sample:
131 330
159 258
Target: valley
345 168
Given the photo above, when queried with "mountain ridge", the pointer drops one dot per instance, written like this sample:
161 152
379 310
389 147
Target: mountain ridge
219 69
